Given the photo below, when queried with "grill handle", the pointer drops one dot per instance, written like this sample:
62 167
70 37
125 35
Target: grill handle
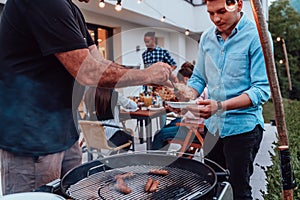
89 172
225 172
52 187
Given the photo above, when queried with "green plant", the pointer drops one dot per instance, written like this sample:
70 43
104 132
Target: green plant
292 118
268 111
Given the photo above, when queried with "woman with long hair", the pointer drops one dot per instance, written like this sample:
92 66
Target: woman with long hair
103 104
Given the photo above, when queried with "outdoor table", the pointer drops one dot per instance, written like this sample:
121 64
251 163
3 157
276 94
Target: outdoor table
144 117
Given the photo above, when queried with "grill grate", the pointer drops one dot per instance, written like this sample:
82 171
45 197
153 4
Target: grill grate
178 184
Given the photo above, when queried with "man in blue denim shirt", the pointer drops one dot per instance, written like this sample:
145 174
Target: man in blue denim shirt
231 64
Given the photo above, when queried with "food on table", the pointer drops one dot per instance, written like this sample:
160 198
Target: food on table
166 93
184 94
135 99
141 97
155 106
148 100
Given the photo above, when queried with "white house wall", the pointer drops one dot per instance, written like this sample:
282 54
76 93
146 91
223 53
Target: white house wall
179 13
130 25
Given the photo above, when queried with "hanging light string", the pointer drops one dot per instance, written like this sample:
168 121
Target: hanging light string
118 6
164 18
101 4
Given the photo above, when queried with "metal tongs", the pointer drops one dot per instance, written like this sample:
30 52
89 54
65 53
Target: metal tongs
175 88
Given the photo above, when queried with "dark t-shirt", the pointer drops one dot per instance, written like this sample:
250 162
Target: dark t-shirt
36 106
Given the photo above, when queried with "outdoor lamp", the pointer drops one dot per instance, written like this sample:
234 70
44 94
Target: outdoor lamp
187 32
118 6
231 5
278 39
101 4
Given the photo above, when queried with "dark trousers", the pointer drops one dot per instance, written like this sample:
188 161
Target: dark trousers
237 153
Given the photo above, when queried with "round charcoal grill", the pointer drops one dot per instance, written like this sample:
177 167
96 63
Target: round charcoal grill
187 179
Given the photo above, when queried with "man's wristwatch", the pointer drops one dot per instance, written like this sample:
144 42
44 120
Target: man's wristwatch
220 107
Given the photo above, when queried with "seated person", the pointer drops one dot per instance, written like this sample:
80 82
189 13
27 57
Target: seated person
103 104
170 131
187 65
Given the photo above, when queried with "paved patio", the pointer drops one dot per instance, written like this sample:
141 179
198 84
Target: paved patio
258 181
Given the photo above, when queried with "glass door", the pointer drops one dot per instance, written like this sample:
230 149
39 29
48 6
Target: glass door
102 37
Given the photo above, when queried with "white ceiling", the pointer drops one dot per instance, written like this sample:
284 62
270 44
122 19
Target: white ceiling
129 16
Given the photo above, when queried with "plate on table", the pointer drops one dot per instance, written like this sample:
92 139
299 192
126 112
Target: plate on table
155 108
180 104
129 110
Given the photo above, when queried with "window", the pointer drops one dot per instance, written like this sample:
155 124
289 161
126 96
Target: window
102 38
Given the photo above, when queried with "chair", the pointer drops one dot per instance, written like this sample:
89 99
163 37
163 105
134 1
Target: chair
193 141
81 110
95 139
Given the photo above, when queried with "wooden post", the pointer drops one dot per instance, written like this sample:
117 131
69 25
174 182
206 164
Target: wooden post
287 185
287 64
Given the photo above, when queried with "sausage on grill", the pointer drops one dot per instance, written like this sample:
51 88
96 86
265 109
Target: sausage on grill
122 187
159 172
123 176
154 186
148 184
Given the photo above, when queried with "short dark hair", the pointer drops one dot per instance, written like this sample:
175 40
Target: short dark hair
150 34
187 65
184 72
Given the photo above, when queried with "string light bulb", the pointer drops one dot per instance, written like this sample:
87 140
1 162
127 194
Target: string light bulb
118 6
139 1
231 5
187 32
163 19
101 4
278 39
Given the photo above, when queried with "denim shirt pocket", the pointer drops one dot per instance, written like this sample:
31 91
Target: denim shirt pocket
236 64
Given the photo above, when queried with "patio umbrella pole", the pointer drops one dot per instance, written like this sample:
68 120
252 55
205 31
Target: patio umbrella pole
287 177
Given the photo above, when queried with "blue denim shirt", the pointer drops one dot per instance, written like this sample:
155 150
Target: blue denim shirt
230 68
